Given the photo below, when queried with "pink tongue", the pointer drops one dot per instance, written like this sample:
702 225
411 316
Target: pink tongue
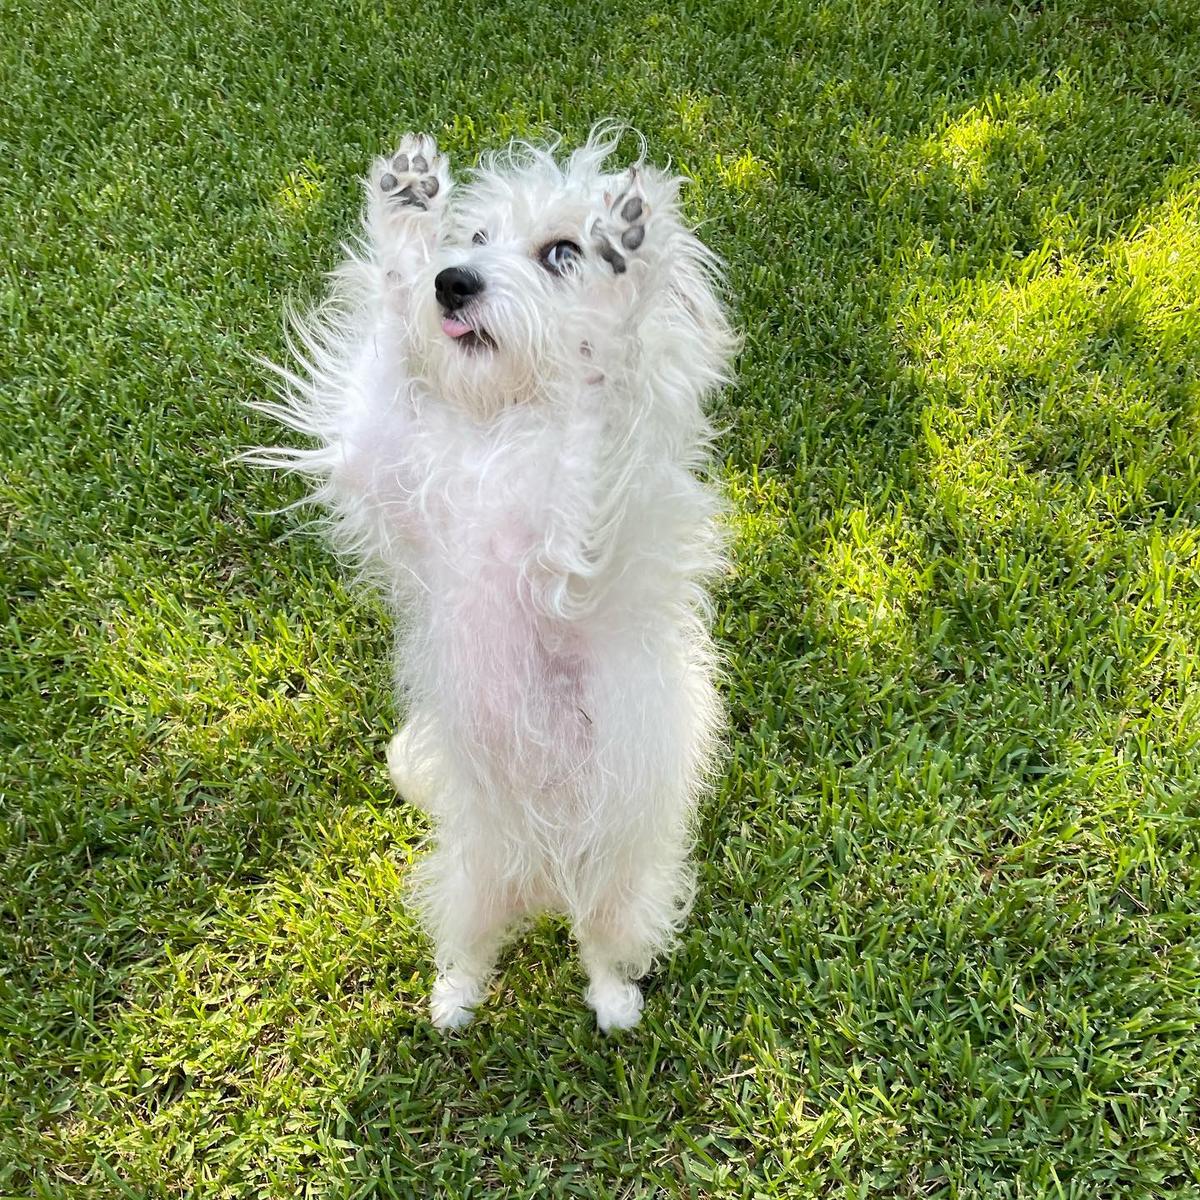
453 327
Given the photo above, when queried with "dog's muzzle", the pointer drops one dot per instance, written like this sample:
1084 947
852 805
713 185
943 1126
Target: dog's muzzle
456 288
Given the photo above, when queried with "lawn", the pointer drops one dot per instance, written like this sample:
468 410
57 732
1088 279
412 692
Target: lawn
947 942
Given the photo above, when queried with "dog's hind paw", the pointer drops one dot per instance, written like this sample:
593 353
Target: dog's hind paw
416 176
453 1000
621 233
617 1003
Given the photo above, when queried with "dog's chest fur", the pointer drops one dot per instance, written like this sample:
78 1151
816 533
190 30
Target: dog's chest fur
479 501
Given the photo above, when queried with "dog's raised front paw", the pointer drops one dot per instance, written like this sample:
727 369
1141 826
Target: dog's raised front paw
415 176
620 233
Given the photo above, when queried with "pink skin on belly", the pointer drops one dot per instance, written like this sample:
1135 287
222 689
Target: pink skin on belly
519 676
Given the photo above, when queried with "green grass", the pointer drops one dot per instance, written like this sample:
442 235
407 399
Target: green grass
948 935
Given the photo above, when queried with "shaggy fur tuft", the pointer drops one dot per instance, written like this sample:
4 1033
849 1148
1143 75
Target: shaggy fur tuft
503 397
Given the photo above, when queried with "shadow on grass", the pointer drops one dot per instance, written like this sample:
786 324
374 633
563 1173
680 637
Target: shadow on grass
962 644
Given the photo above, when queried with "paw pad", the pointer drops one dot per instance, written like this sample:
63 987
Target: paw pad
410 178
624 229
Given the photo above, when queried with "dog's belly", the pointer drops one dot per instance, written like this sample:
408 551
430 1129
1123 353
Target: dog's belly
512 684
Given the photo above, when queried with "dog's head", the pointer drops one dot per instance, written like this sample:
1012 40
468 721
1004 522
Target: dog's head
531 285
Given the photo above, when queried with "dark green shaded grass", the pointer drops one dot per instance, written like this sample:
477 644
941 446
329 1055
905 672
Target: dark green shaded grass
946 943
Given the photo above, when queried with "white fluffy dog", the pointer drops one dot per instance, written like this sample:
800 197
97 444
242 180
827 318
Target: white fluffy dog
505 392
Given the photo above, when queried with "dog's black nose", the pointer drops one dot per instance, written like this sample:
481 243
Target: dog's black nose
455 286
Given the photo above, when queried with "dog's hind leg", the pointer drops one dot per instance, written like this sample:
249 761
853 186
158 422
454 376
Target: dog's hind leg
617 945
631 919
611 992
468 914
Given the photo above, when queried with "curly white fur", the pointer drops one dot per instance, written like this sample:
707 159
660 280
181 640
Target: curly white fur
530 497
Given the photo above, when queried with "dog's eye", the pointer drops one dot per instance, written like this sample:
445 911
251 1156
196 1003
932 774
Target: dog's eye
559 257
480 237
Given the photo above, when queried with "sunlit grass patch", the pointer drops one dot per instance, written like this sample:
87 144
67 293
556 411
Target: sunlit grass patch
744 173
300 190
1042 319
759 509
170 661
692 111
992 330
870 581
1077 366
1161 265
970 144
